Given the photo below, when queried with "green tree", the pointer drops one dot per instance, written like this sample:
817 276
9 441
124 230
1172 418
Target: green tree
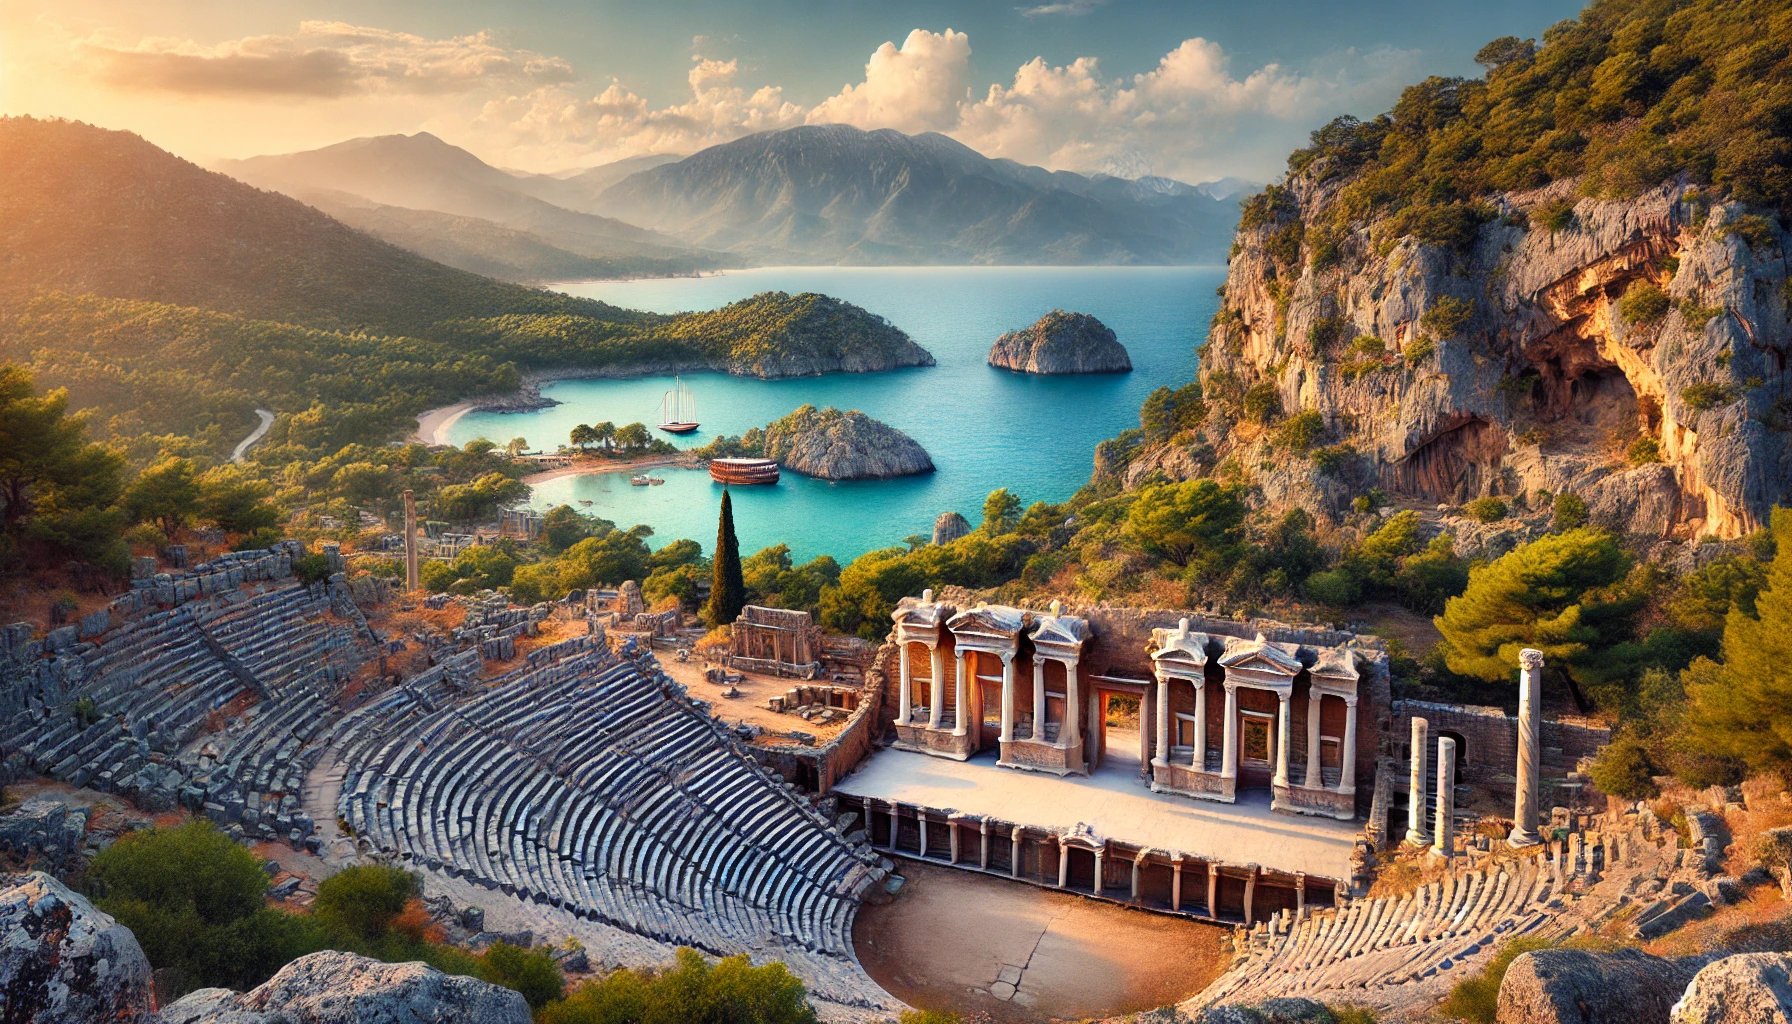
583 436
1001 512
563 526
1743 710
470 502
48 468
603 433
1561 594
1197 523
516 446
166 494
727 588
235 502
361 902
632 436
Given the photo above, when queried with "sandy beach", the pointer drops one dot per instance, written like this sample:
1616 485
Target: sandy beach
432 426
607 466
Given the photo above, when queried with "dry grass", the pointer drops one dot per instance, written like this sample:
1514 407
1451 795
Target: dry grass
1762 922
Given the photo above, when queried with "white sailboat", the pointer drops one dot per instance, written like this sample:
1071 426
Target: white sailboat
678 409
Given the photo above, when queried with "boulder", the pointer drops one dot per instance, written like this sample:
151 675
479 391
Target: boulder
342 988
1578 986
949 526
1061 342
64 962
834 445
1751 988
43 826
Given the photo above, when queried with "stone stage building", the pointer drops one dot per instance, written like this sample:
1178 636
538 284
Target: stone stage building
1240 795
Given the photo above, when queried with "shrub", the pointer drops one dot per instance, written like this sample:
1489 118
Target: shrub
1476 1000
1419 351
1644 304
1334 587
361 902
1568 511
1486 510
693 990
312 569
1643 451
1298 433
1447 316
1756 230
1623 770
1262 402
1324 333
1555 215
1707 394
533 972
1697 316
1330 459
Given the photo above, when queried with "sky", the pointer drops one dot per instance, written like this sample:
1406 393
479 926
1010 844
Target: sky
1192 90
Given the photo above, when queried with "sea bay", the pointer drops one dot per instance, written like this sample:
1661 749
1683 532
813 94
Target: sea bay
985 428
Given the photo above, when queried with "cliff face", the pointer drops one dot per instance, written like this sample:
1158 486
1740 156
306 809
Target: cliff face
835 445
1532 360
1061 342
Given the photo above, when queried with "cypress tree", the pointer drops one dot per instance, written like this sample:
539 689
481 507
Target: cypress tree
727 589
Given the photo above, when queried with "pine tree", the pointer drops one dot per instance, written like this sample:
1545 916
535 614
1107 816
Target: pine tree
1744 710
727 588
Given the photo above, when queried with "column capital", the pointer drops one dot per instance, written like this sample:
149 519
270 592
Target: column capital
1530 658
1007 656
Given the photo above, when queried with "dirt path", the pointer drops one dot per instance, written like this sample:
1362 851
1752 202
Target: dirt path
261 431
980 945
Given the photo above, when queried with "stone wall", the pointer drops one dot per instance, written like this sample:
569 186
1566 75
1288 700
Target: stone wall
820 767
1487 740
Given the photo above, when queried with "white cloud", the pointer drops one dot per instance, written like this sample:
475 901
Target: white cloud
323 59
917 88
1065 8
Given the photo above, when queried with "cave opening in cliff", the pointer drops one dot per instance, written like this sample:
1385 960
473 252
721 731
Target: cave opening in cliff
1460 463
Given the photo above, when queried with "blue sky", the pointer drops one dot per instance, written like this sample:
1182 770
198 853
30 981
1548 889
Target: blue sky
1195 90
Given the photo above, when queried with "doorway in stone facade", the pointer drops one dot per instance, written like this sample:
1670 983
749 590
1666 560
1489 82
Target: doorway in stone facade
1256 749
1116 731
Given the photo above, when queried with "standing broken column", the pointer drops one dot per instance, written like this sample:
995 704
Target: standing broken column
411 581
1444 837
1530 728
1416 835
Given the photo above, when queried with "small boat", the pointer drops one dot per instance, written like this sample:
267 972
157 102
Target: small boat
743 471
584 501
656 480
678 409
639 480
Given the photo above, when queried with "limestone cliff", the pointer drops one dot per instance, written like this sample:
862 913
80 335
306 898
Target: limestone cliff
1632 352
831 445
1061 342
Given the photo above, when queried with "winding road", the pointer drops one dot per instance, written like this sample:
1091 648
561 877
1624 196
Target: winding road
243 446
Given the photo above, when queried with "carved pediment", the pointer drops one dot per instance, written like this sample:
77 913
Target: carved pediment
1261 655
989 620
1180 648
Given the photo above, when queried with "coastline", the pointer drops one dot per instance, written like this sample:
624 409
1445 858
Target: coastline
596 468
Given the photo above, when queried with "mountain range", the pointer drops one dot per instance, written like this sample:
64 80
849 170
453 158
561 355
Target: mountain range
821 194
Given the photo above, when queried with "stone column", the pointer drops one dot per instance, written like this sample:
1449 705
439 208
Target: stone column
1347 758
952 837
1229 748
1176 881
1038 699
1163 722
1250 892
1530 728
1300 895
1315 702
921 825
1213 890
895 823
936 690
1416 835
906 692
1007 696
1282 720
1199 761
983 844
1014 838
1098 855
1063 865
961 692
411 580
1444 842
1069 735
1138 865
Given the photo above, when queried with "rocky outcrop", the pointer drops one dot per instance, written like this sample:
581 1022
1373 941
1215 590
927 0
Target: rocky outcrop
831 445
343 988
43 826
64 962
949 526
1509 366
1061 342
1578 986
1750 988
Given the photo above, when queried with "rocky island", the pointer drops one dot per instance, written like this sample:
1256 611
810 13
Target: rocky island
1061 342
830 445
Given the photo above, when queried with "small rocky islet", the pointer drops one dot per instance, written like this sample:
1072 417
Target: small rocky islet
1060 343
830 445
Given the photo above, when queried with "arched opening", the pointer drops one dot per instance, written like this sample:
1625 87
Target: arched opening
1460 463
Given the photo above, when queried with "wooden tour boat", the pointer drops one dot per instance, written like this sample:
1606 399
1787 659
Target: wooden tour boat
639 480
678 409
744 471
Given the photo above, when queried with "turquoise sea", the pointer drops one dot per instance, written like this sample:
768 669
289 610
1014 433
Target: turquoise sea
985 428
